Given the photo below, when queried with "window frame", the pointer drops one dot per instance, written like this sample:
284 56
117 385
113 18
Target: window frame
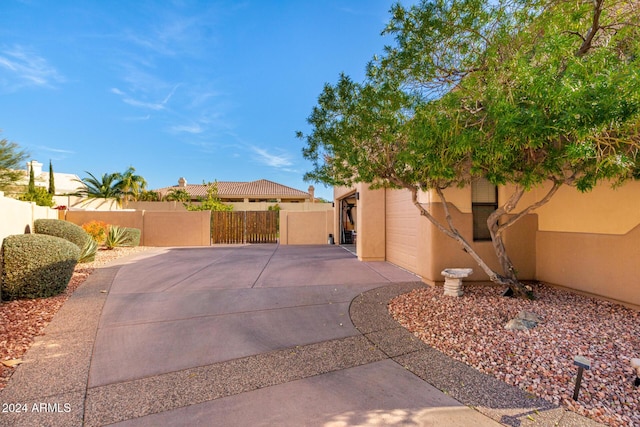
483 233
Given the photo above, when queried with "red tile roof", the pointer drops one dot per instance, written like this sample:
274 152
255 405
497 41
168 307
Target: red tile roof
262 188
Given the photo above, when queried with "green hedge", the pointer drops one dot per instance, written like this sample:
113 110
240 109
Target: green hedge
36 265
64 229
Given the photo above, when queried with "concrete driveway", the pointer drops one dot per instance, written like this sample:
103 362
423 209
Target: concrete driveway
257 335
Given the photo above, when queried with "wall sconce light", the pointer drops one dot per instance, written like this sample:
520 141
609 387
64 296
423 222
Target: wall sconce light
357 195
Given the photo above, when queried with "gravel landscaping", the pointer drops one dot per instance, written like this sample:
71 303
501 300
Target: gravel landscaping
22 320
539 361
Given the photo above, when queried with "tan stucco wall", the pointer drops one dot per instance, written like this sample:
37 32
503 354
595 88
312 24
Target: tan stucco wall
589 242
440 251
340 192
74 202
17 217
600 264
132 219
370 222
306 228
604 210
177 228
157 228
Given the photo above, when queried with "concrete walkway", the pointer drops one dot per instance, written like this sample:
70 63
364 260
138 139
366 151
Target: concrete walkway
258 335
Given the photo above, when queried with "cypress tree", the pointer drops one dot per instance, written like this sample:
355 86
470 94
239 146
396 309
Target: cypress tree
32 180
52 186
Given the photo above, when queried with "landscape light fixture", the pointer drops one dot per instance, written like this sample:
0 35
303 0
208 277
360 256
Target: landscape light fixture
635 364
582 363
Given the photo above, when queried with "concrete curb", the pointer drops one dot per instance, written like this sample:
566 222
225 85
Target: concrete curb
506 404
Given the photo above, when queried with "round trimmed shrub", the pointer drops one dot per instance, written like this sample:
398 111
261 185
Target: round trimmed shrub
64 229
36 265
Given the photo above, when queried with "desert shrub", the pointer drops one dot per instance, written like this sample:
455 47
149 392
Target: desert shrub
59 228
88 252
36 265
132 236
116 236
97 230
39 195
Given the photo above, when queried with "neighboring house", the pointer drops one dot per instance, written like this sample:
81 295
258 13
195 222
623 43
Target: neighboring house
261 190
64 183
588 242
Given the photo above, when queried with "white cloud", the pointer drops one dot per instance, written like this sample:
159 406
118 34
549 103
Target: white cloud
138 118
273 160
55 150
192 128
156 106
25 68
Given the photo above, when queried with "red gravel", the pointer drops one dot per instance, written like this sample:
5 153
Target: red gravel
22 320
540 361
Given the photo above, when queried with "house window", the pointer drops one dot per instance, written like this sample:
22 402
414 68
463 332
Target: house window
484 200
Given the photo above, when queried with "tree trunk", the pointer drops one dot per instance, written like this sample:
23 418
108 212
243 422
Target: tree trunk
510 274
509 278
518 288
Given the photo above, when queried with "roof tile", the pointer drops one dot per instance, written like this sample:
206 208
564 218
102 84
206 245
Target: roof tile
261 188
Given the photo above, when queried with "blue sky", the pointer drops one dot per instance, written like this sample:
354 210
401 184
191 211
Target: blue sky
201 89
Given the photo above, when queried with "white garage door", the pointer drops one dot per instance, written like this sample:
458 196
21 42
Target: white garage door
401 229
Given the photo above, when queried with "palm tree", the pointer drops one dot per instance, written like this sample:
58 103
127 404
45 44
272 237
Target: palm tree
104 188
130 184
149 196
178 195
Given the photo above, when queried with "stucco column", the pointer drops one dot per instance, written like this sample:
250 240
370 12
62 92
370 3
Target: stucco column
370 224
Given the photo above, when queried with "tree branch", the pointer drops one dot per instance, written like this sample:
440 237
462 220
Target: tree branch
595 26
530 208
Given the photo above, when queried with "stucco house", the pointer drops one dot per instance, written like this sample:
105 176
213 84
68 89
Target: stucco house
261 190
258 195
589 242
65 183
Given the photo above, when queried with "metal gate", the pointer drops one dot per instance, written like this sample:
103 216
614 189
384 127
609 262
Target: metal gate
244 227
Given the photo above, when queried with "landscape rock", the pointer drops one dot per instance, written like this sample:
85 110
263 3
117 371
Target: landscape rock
523 321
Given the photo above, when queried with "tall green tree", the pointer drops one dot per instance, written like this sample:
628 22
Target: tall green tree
52 184
518 92
31 187
12 158
36 194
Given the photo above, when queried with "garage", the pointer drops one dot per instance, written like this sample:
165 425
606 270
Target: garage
401 229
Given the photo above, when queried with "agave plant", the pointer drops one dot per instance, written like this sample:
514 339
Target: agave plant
116 237
88 252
